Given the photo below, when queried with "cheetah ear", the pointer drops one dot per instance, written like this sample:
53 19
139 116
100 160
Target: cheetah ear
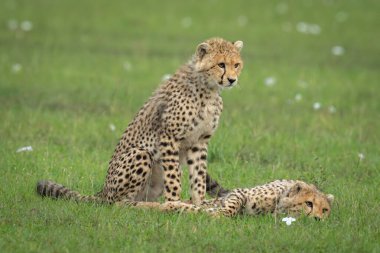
295 189
202 49
239 45
330 198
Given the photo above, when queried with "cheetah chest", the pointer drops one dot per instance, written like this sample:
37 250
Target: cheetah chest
205 124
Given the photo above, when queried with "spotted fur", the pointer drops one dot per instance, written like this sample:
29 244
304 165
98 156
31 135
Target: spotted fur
281 196
172 128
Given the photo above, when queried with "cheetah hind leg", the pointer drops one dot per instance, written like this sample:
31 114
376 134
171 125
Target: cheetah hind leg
181 207
128 176
138 204
173 207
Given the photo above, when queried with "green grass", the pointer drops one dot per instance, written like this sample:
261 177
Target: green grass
73 84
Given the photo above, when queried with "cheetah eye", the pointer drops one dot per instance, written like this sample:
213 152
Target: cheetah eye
237 65
325 210
222 65
309 204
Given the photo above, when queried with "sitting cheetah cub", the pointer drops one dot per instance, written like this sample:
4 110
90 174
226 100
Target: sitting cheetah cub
173 127
281 196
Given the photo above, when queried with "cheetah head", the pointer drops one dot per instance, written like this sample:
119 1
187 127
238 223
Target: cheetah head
220 61
306 199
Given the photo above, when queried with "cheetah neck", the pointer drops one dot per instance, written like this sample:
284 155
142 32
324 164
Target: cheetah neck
201 77
264 198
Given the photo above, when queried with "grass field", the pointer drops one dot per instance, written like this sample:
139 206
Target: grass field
307 107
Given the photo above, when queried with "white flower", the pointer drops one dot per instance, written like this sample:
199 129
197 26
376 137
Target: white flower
306 28
242 20
332 109
186 22
166 77
112 127
127 66
302 27
361 156
270 81
337 50
317 106
288 220
16 67
298 97
26 26
23 149
314 29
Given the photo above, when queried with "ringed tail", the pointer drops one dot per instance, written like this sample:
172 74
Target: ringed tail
57 191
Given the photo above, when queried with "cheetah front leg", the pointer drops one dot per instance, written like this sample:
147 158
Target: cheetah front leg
169 149
197 161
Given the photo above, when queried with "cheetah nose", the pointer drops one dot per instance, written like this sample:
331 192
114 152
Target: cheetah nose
231 80
317 218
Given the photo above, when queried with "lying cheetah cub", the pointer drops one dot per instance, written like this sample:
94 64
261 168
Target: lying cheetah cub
174 126
281 196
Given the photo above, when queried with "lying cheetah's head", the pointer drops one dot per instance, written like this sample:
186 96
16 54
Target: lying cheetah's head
306 199
220 60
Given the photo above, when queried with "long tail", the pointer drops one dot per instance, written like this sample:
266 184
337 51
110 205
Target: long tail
214 189
54 190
